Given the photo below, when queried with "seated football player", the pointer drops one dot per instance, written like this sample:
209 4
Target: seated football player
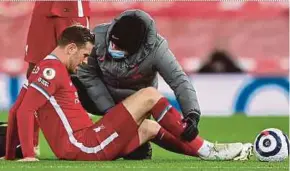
70 132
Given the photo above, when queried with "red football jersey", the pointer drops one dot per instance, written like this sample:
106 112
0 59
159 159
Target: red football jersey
52 95
62 8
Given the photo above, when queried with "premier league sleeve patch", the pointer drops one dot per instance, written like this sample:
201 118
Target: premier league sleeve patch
48 73
43 82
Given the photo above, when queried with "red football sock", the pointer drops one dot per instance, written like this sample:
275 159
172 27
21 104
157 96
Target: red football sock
196 144
168 117
171 120
167 141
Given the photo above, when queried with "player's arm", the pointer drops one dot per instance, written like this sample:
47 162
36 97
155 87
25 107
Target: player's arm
12 139
43 85
31 102
90 76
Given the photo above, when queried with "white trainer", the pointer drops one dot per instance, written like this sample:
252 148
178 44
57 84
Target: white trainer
246 152
227 151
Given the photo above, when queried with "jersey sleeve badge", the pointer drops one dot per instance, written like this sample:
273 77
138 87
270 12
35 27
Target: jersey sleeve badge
49 73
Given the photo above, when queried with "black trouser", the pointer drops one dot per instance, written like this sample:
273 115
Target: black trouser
143 152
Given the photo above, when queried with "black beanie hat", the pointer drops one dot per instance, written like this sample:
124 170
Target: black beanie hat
128 33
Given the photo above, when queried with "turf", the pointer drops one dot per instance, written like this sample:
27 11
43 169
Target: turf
220 129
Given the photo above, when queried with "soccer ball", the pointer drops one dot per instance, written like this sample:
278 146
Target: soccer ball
271 145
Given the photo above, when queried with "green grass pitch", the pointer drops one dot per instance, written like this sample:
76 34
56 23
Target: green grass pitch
220 129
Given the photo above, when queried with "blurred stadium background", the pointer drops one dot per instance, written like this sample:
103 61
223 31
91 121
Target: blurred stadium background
236 53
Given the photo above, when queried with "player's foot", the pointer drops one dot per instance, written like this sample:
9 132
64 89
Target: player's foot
28 159
226 151
20 155
246 152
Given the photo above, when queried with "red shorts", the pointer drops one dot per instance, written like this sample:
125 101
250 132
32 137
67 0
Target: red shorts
112 137
43 34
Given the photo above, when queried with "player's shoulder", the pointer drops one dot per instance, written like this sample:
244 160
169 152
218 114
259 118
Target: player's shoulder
51 61
50 66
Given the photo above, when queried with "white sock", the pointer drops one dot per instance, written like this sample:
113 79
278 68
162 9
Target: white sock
205 149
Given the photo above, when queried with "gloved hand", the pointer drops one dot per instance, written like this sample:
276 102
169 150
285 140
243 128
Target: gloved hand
191 129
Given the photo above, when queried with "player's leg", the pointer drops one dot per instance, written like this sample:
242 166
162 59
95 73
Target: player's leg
120 124
168 117
62 23
169 142
140 103
146 132
122 121
29 69
150 130
110 135
150 100
144 151
85 21
41 40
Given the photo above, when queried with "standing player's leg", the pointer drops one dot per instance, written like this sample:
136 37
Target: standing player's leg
61 23
41 40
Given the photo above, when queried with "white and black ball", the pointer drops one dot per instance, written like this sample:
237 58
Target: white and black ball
271 145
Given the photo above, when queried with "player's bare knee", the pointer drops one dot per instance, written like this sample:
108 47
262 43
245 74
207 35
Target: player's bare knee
149 129
152 95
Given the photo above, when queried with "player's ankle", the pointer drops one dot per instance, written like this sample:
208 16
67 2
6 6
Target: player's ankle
205 149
